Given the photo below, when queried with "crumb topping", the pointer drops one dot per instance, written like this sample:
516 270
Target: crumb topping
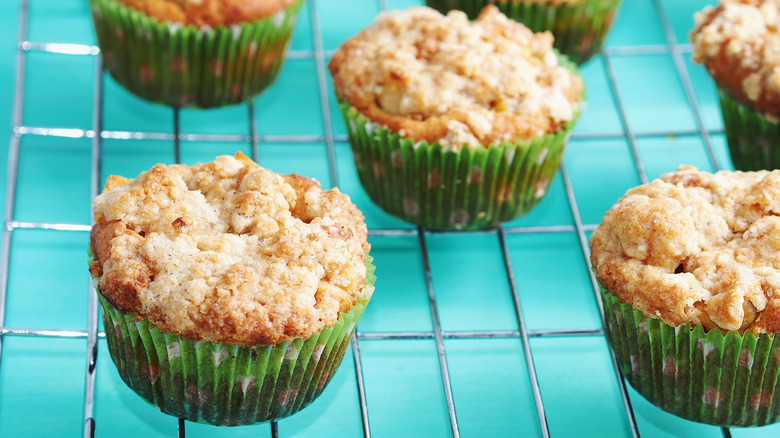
229 252
442 78
696 248
739 43
208 12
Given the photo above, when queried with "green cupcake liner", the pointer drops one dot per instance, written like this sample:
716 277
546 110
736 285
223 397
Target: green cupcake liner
436 187
442 188
709 377
190 66
753 137
579 29
223 384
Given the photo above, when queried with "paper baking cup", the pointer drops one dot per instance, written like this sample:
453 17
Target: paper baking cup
224 384
579 29
753 137
722 379
190 66
438 187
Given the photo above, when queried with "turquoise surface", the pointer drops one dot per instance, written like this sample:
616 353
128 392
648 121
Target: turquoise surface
42 379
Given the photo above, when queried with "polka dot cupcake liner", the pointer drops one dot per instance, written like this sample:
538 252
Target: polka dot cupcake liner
753 137
579 29
190 66
718 378
222 384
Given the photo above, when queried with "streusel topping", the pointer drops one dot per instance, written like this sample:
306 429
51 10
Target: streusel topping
696 248
229 252
739 43
209 12
442 78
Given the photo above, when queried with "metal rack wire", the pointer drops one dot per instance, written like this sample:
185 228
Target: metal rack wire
97 134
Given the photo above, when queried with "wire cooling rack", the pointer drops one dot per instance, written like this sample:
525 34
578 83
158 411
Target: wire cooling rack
494 333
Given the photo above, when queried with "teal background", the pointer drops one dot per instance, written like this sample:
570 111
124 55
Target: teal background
42 379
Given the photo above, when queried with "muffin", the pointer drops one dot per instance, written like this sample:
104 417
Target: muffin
204 54
579 26
229 293
456 124
689 270
739 43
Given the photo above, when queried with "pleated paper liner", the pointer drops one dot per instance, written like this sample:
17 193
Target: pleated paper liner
753 137
579 29
224 384
190 66
442 188
709 377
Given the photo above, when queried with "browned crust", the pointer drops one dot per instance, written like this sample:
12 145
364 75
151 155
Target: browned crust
302 185
769 320
505 126
209 12
731 70
122 290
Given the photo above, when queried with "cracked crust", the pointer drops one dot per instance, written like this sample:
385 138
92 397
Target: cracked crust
446 79
739 43
208 12
696 248
229 252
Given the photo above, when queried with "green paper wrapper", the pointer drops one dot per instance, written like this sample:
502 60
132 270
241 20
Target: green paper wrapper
579 29
753 137
190 66
709 377
442 188
222 384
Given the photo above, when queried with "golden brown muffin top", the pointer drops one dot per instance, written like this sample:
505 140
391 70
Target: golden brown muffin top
739 43
208 12
696 248
229 252
441 78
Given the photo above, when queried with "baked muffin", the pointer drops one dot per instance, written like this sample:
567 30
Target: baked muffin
690 279
739 43
456 124
579 26
229 293
205 53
